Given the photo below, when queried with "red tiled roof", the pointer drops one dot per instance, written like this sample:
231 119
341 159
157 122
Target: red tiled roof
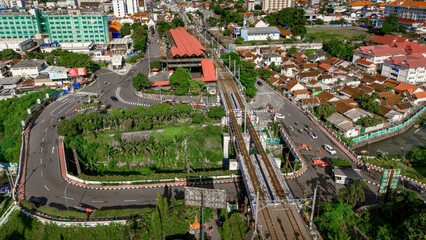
209 74
412 47
410 61
409 21
420 95
388 39
364 62
408 4
380 50
359 3
186 44
115 26
406 87
325 66
162 83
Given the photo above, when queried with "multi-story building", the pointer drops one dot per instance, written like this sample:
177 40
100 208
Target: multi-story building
12 3
276 5
410 68
123 7
413 10
85 27
377 54
20 24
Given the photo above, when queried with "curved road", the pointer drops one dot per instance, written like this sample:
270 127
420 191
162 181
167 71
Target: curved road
43 177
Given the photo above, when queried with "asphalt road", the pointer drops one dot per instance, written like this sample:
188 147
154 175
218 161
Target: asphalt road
43 177
294 119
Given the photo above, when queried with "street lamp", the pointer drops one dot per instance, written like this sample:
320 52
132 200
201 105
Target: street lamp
65 193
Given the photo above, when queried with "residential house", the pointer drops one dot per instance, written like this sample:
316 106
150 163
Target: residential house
272 57
389 98
366 66
260 33
389 39
10 82
306 76
419 97
324 97
293 85
389 114
407 89
343 125
404 107
28 68
410 68
377 54
289 69
300 94
259 24
351 112
352 92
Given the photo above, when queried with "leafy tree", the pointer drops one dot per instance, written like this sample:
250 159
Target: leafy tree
340 49
293 18
216 112
257 7
141 81
239 40
139 37
8 54
390 24
155 64
369 103
265 74
180 80
292 51
227 32
136 25
189 16
319 21
336 220
198 118
163 26
325 110
417 156
177 22
126 29
353 193
274 67
340 162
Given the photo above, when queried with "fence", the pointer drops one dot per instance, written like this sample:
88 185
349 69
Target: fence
379 133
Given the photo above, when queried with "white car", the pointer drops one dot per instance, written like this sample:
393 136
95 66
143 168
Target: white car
313 135
330 149
280 116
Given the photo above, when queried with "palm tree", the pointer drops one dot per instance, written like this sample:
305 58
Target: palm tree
109 150
353 193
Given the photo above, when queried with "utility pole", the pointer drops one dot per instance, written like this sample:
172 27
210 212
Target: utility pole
313 208
256 210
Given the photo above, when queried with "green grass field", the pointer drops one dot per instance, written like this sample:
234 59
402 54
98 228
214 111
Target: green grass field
343 33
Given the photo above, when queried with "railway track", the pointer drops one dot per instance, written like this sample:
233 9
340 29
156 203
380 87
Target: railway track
289 225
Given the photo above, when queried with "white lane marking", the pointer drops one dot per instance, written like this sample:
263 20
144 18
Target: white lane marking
41 173
98 201
45 130
46 188
42 121
289 114
53 149
69 198
130 200
417 130
41 149
41 160
42 140
51 120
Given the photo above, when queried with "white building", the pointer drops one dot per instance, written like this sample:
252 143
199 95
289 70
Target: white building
272 57
123 7
13 3
28 68
410 68
413 10
377 54
19 45
276 5
260 33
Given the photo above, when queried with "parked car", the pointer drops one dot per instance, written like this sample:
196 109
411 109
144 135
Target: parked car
259 83
280 116
329 149
318 161
312 134
113 98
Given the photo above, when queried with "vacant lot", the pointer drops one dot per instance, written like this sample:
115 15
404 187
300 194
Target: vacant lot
341 33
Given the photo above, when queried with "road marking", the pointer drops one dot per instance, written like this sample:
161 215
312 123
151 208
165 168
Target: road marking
41 160
41 173
46 188
130 200
53 149
289 114
41 149
51 120
69 198
45 130
417 130
42 140
98 201
42 121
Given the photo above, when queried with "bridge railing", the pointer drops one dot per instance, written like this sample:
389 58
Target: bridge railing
263 184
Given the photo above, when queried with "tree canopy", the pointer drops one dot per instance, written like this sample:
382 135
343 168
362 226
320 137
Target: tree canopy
155 64
239 40
391 25
63 58
177 22
140 37
141 81
8 54
126 29
369 103
293 18
325 110
338 48
182 82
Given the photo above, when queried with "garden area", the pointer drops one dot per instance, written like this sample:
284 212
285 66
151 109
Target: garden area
170 142
412 166
168 220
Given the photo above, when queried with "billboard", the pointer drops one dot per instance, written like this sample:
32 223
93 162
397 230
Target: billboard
75 72
57 75
390 179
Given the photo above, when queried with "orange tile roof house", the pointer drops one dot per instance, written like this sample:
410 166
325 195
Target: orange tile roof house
389 39
377 54
408 89
419 97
